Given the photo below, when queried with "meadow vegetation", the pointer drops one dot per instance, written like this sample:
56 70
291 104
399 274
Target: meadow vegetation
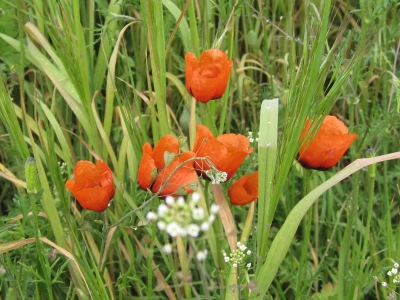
109 81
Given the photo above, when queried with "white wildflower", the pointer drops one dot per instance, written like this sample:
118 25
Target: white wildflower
195 197
151 216
201 255
170 200
161 225
162 209
205 226
167 248
193 230
173 229
198 213
180 202
214 209
182 231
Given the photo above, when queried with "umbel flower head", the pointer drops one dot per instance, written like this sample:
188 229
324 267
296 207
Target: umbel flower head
93 186
183 218
226 152
206 79
244 190
328 146
159 165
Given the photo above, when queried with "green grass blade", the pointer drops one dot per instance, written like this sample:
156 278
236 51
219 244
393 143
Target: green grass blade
267 157
283 239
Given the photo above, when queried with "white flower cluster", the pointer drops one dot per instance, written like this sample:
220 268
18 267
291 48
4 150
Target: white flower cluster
250 137
395 272
236 257
63 167
216 176
183 218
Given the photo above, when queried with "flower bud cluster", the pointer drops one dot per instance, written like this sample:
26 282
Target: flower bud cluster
236 257
183 218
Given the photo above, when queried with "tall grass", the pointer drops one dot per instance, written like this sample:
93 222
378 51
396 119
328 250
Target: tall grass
96 80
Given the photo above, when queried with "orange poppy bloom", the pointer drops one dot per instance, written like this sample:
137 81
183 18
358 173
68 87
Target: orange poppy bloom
206 79
328 146
226 152
244 190
93 186
154 172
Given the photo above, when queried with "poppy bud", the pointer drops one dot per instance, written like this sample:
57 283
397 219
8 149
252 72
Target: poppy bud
30 174
328 146
158 169
206 79
244 190
226 152
93 186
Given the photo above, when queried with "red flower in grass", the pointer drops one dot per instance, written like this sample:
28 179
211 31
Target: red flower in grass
244 190
154 172
206 79
93 186
328 146
226 152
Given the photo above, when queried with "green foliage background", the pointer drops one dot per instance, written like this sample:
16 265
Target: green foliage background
96 79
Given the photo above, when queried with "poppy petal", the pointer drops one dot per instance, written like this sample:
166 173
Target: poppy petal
86 174
191 64
166 143
244 190
93 186
182 177
96 198
72 186
106 180
207 78
328 146
238 148
203 88
251 184
206 145
146 167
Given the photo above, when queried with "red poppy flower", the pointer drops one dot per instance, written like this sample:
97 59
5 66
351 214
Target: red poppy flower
154 172
244 190
226 152
93 186
206 79
328 146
